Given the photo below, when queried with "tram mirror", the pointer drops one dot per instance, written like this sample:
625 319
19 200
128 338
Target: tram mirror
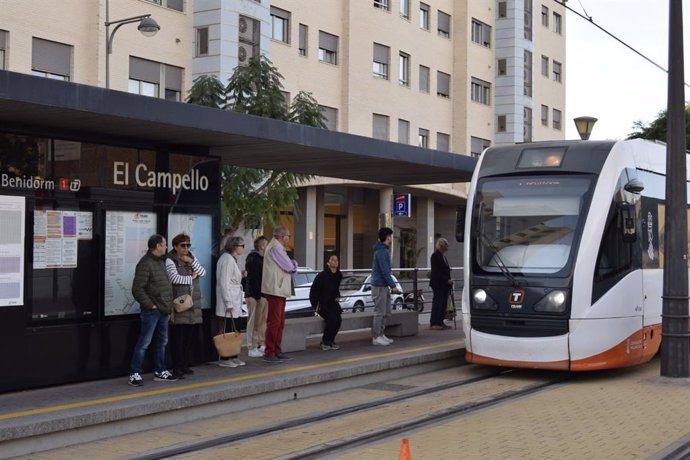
634 186
627 214
460 224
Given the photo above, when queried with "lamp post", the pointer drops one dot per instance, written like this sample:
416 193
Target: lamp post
147 26
584 126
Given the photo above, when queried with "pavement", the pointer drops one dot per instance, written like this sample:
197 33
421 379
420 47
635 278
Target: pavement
622 413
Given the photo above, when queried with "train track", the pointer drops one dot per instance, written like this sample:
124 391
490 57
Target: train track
369 436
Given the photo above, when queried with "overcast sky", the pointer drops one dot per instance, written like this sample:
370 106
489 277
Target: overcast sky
606 80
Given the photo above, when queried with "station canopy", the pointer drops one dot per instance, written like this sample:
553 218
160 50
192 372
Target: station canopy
73 111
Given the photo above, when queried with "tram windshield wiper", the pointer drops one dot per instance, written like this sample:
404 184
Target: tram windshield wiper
502 266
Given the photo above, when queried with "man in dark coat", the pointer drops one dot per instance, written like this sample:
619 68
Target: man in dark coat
152 289
441 284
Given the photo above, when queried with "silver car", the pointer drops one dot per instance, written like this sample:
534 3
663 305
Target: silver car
355 293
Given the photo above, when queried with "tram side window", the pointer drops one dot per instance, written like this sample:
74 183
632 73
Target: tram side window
615 256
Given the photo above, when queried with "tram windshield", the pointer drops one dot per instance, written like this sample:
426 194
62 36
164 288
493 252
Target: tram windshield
528 224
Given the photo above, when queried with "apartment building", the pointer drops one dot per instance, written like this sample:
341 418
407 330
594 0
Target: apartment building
451 75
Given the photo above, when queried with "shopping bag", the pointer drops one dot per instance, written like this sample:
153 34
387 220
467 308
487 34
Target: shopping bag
228 344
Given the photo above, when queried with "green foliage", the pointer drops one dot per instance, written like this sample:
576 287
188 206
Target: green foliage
305 110
208 91
256 196
656 130
18 155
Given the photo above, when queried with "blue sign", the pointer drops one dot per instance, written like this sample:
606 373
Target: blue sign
402 204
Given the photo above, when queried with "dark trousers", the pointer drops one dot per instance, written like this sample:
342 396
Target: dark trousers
438 306
181 339
275 323
333 319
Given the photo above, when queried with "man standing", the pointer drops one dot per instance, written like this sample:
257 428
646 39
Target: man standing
441 284
382 285
152 289
256 303
276 286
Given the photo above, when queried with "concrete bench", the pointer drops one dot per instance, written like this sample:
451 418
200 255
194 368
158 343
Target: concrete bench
400 324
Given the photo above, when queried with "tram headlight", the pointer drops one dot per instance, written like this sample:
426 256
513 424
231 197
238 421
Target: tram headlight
553 302
482 301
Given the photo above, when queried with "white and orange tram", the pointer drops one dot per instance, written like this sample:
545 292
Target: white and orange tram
563 255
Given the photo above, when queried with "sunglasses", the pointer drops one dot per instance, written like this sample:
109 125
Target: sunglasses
186 245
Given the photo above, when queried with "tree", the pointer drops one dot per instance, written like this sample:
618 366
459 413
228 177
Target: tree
656 130
256 196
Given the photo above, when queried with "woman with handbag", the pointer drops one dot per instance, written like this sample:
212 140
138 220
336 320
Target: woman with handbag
183 271
229 297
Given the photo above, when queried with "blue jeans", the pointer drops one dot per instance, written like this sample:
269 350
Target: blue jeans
152 322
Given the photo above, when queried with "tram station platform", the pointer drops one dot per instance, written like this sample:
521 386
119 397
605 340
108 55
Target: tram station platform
46 418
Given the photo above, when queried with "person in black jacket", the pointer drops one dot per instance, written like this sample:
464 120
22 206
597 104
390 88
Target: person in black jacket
323 296
441 284
256 303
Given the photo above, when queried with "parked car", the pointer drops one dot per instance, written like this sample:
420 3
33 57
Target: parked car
355 293
299 305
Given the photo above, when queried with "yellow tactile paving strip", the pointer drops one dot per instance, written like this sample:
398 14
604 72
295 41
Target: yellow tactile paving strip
619 415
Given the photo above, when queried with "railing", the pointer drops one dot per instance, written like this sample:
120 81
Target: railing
356 293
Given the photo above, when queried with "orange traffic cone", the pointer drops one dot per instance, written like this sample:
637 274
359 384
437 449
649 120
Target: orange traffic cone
405 450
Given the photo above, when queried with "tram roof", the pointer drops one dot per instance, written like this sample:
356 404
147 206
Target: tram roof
70 110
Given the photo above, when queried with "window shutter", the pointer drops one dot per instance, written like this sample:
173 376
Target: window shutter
403 131
141 69
51 57
302 37
280 13
381 53
380 127
443 22
442 83
173 78
328 42
423 78
3 40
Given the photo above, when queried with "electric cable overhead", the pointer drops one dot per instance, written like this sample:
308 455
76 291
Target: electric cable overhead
590 20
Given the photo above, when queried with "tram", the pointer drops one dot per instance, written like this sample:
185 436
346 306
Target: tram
563 255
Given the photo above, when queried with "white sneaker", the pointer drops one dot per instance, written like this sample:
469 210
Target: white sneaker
255 353
380 340
238 362
387 339
262 349
227 363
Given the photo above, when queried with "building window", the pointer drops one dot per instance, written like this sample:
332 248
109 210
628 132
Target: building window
331 116
382 4
481 33
328 48
502 67
202 41
481 91
148 77
557 23
3 48
303 39
527 80
249 34
443 24
405 9
528 20
527 124
403 131
556 71
423 138
556 119
478 145
380 127
443 142
544 65
501 124
424 16
423 79
544 115
544 16
502 10
404 71
381 61
442 84
51 59
280 25
172 4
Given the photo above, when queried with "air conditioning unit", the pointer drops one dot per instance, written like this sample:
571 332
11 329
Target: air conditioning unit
247 26
244 53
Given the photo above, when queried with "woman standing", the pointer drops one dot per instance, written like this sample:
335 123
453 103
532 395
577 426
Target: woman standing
183 271
229 291
323 296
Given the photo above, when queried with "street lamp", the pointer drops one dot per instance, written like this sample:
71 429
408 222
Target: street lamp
584 126
147 26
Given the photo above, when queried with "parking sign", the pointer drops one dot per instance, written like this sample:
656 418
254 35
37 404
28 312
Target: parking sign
401 204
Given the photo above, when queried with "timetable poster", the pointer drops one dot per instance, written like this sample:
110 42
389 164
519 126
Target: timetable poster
56 236
12 213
